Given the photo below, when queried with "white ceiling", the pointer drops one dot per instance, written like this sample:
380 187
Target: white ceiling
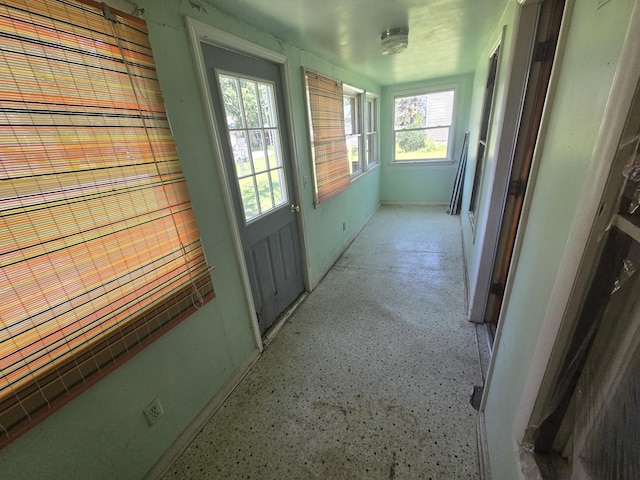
446 37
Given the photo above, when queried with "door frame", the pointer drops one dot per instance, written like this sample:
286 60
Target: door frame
201 32
508 113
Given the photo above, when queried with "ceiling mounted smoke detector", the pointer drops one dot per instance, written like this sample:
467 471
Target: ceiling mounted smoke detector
394 40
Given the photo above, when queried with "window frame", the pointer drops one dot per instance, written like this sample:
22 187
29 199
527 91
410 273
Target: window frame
448 158
372 155
357 127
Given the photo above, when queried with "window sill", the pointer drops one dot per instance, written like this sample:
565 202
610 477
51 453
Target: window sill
364 172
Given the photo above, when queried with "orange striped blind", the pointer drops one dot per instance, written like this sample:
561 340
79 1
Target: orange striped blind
99 248
328 143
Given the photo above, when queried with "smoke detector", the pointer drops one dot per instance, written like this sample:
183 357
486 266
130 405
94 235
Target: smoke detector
394 40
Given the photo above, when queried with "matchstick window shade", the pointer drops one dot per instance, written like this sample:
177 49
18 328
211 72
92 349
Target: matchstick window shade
328 143
99 248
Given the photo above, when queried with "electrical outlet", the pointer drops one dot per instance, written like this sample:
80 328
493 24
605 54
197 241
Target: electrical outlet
344 226
153 412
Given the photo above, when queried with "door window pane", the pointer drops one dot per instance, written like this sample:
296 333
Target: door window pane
260 163
240 153
267 108
250 109
250 103
249 198
231 97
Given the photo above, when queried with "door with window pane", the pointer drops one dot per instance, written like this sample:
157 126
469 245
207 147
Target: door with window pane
249 111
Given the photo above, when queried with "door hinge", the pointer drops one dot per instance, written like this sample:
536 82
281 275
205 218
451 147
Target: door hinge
541 49
497 289
516 188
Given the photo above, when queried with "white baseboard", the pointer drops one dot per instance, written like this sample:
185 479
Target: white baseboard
185 438
416 204
483 448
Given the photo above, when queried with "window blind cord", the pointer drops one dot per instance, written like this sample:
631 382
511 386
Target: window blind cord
197 299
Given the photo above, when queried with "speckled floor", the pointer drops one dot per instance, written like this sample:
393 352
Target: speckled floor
371 376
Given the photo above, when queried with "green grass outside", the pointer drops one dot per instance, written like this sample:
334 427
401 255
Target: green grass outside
422 154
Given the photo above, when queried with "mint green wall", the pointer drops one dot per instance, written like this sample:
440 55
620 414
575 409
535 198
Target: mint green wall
585 75
102 433
422 182
325 237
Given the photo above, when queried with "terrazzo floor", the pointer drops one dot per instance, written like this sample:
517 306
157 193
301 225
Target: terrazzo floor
370 378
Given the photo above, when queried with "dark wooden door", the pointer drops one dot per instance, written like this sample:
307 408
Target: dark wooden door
249 112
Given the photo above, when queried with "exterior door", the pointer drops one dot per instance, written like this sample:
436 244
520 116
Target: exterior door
249 113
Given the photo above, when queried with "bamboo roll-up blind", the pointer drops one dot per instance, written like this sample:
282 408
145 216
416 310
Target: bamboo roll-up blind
328 143
99 248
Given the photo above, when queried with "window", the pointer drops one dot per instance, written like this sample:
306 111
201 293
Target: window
371 130
483 136
99 247
352 117
255 142
325 102
422 126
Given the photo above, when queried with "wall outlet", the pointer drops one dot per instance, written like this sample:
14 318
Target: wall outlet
153 412
344 226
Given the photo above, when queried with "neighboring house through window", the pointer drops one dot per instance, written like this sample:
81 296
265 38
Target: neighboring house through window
423 126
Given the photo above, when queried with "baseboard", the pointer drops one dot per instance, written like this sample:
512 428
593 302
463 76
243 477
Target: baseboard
185 438
483 448
416 204
344 249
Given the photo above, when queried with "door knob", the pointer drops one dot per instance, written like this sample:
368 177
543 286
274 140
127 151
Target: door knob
295 208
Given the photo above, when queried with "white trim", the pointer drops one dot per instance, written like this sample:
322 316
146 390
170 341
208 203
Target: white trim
188 435
198 32
483 448
202 32
624 85
296 174
417 204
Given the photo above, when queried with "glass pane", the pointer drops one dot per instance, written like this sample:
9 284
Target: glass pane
372 156
410 112
240 153
231 100
257 151
437 143
439 109
371 116
422 144
264 192
250 103
278 187
267 107
349 104
249 198
353 153
273 148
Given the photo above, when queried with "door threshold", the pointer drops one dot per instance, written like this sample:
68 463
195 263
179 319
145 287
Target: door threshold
273 331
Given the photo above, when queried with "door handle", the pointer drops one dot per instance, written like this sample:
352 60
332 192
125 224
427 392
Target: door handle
294 208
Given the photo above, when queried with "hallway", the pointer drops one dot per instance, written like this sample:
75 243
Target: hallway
369 379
